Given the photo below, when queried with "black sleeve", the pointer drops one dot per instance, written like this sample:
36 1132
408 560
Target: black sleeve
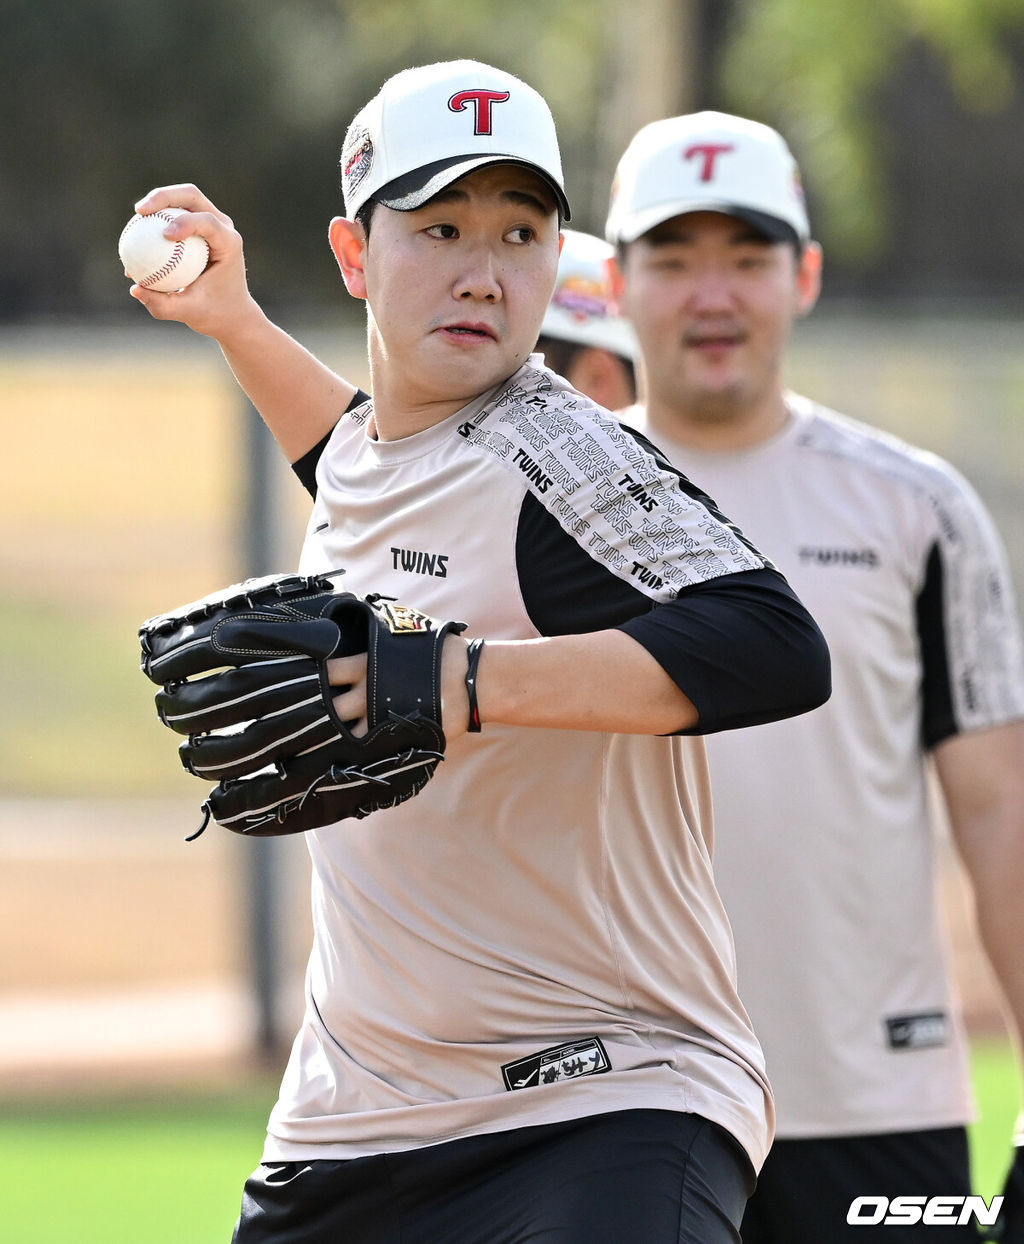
742 647
305 467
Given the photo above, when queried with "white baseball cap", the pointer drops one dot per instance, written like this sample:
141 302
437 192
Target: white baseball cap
708 162
429 126
583 309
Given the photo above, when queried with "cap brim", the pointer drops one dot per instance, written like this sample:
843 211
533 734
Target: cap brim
772 228
614 335
412 190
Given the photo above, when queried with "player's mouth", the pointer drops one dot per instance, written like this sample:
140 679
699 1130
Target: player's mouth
467 332
714 342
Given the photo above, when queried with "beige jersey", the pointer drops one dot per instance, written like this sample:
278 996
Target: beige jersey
536 936
824 839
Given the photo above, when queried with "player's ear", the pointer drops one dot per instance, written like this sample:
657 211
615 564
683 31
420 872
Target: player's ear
616 282
808 278
601 375
348 242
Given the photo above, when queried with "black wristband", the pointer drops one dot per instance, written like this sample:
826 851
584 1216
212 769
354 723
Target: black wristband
476 646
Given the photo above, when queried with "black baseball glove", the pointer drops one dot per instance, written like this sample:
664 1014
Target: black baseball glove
244 675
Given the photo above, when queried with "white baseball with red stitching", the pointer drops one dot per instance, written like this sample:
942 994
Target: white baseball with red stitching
156 262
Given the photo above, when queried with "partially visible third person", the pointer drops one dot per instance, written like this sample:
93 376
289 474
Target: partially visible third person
585 337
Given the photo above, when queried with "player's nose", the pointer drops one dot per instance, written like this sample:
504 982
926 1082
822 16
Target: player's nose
479 277
711 290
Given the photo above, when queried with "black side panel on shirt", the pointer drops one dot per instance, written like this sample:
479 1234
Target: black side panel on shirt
565 591
305 467
938 721
742 647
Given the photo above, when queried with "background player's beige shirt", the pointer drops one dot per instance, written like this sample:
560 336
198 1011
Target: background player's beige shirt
824 841
536 936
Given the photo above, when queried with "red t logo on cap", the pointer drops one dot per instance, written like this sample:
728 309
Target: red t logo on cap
481 101
710 152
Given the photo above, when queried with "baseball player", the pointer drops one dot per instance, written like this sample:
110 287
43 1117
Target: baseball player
825 838
521 1018
584 337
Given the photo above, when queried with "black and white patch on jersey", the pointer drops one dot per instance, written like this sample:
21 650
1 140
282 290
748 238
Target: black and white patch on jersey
585 1057
628 510
923 1031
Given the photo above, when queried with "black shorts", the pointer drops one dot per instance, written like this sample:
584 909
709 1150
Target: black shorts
806 1187
654 1176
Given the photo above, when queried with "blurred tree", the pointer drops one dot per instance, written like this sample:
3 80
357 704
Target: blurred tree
820 73
102 99
650 54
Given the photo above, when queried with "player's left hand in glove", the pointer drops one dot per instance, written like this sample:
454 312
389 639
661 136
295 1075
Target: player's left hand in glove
244 674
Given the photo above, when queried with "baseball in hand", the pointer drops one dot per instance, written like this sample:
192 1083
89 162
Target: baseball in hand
155 262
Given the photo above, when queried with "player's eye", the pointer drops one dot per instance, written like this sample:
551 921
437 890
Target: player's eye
749 261
521 235
442 231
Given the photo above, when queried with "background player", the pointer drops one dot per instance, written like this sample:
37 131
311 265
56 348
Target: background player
525 971
825 836
584 337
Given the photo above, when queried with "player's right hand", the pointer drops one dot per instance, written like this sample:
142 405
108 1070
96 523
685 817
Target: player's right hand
218 303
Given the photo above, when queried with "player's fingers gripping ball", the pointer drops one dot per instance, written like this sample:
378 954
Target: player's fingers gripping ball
243 673
156 262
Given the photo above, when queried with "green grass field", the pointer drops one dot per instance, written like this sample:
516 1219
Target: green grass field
137 1170
159 1170
998 1088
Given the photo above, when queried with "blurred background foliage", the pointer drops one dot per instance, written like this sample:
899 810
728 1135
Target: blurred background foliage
906 116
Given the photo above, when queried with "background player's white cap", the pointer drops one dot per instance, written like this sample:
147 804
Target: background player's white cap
583 308
429 126
708 162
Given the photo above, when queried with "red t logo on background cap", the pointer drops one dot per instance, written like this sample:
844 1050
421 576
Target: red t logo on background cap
481 101
710 152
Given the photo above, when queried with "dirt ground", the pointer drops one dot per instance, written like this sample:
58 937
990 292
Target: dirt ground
126 948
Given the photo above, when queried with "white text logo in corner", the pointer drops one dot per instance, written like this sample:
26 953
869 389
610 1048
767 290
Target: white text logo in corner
936 1211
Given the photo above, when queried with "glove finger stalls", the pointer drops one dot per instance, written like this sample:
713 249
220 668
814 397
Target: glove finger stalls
237 695
266 741
265 804
237 640
311 792
260 635
185 641
169 655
